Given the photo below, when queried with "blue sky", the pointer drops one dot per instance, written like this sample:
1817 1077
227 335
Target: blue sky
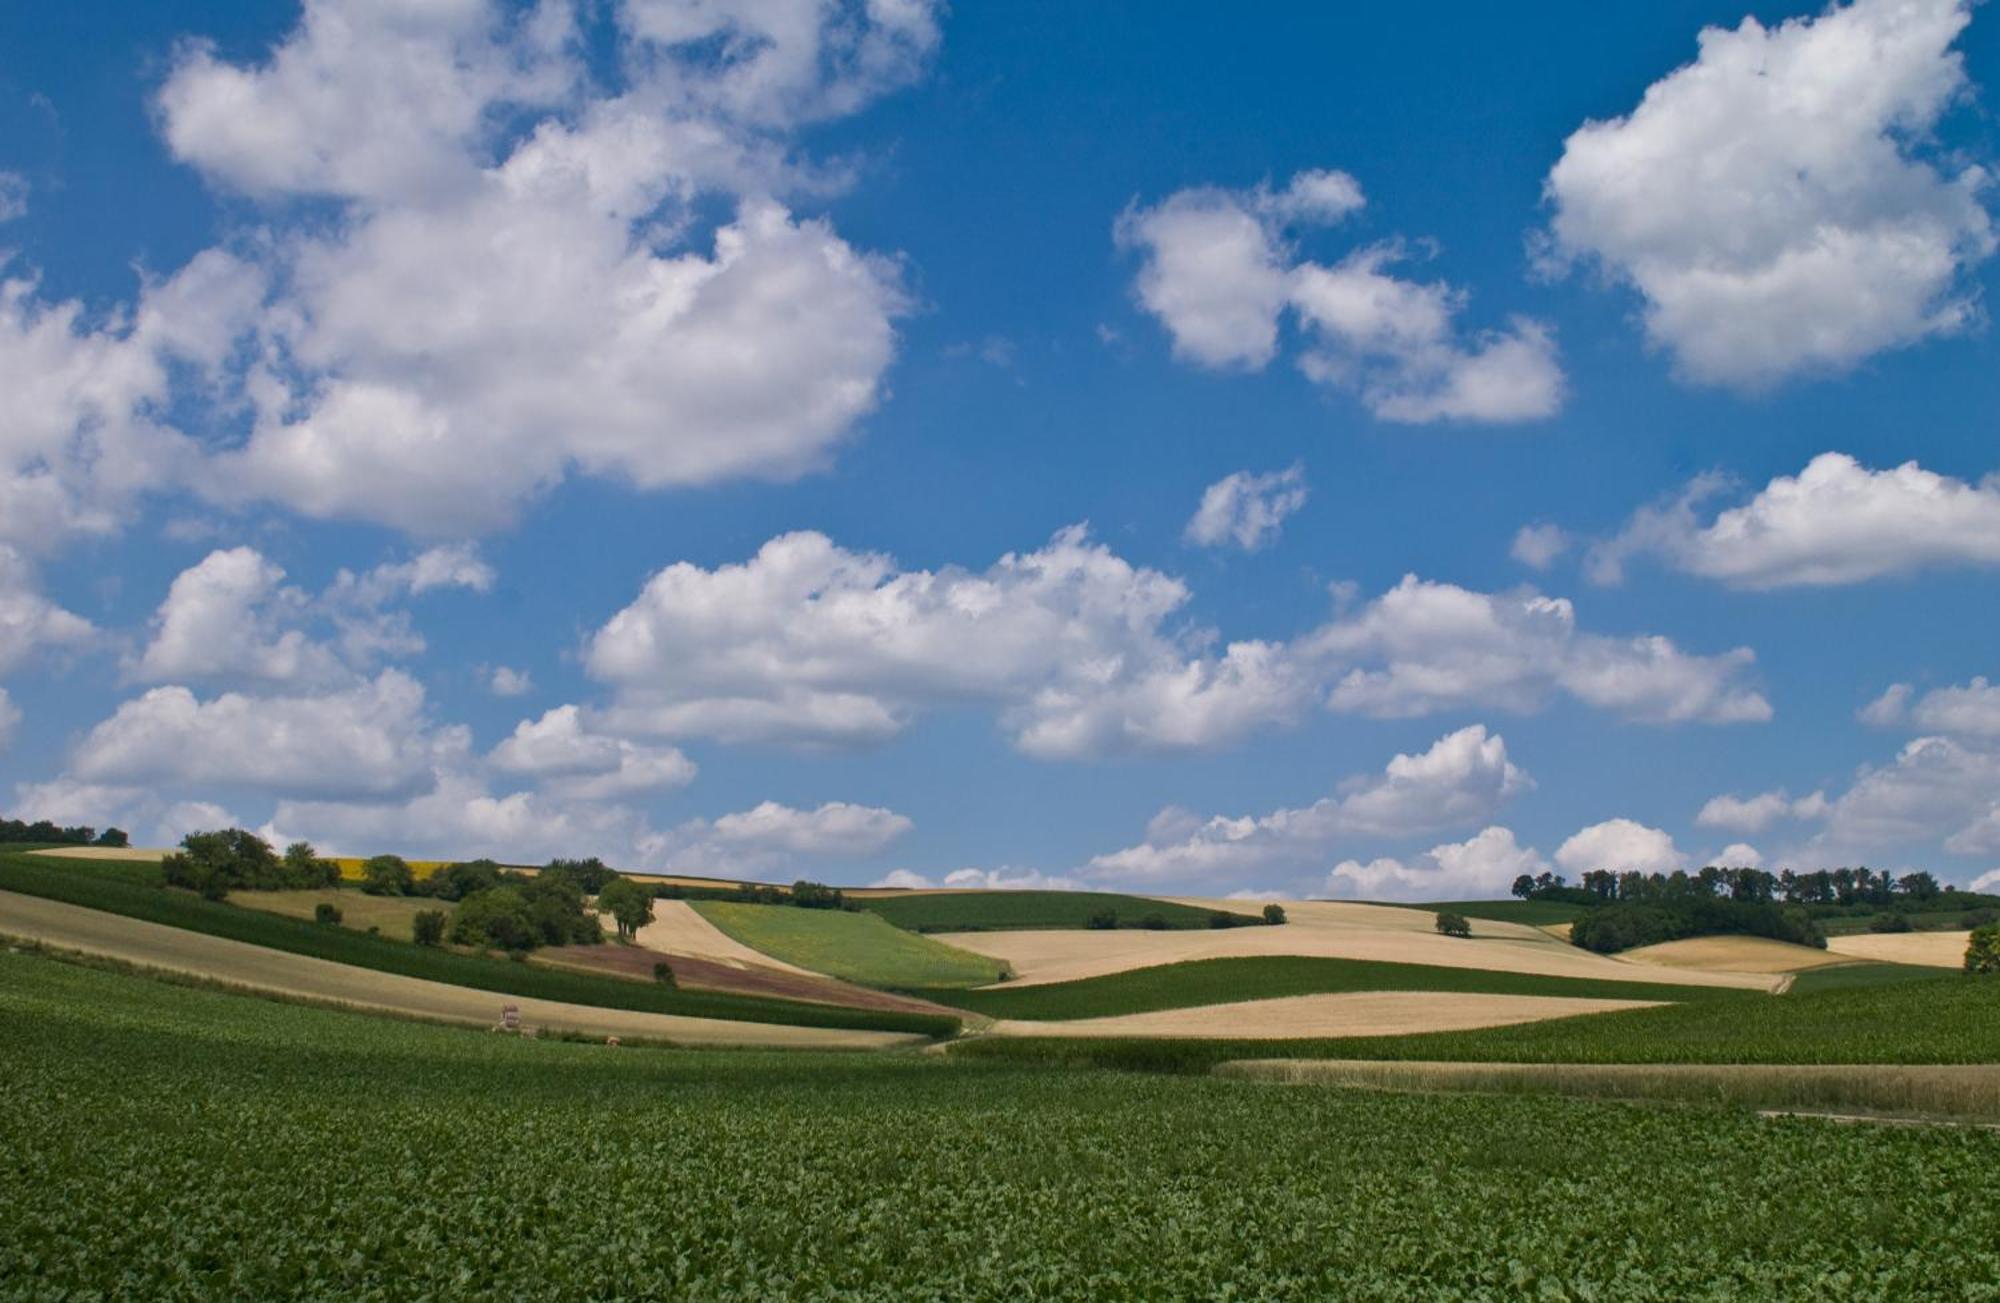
812 407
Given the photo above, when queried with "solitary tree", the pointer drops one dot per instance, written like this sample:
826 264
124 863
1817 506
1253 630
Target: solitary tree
629 904
1274 913
427 927
1454 925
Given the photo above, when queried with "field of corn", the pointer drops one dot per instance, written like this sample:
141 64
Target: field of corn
164 1141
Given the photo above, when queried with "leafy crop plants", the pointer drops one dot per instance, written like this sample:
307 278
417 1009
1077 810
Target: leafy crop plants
165 1141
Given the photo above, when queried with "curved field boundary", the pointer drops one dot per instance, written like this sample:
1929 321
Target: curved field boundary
236 963
1328 930
853 946
1953 1091
1931 949
679 929
1314 1017
1266 977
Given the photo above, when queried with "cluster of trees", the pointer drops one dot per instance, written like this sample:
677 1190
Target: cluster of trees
41 830
1843 887
232 859
499 907
1452 924
1622 926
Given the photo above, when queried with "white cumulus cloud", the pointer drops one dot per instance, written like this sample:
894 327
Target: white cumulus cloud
1620 846
1481 867
1247 509
1779 203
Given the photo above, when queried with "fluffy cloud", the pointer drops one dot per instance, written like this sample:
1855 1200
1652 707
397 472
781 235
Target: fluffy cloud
1219 272
1620 846
1538 546
10 715
1971 711
1756 813
808 642
836 828
1079 653
1777 203
231 616
1836 522
510 269
1425 647
28 620
506 681
1738 855
574 762
1934 785
13 196
1484 866
80 437
1463 778
373 740
1247 509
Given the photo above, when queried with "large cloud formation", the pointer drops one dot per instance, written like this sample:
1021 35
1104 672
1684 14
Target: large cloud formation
477 262
1779 203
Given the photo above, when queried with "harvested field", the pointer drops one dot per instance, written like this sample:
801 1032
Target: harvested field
1354 1013
1953 1091
153 945
1324 929
137 854
1732 955
636 963
1931 949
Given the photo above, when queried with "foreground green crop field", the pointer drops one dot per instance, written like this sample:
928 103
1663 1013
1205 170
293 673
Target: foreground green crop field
1942 1017
858 947
1007 911
132 890
161 1141
1265 977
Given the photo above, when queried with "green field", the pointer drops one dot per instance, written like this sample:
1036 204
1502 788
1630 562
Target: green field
1014 911
857 947
1264 977
167 1142
1940 1018
130 889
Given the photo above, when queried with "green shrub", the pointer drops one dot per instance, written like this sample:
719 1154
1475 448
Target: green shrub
500 918
1978 918
1274 914
327 914
231 859
1454 925
1154 923
304 868
663 973
457 881
1890 923
1104 920
1982 950
1221 919
387 875
427 927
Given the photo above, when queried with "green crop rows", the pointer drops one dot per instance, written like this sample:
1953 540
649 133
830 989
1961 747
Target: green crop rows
166 1142
1264 977
1943 1017
1003 911
130 890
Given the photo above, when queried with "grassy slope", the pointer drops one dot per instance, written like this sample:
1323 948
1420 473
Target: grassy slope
859 947
130 889
1007 911
394 915
1944 1018
1220 981
168 1142
1534 913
